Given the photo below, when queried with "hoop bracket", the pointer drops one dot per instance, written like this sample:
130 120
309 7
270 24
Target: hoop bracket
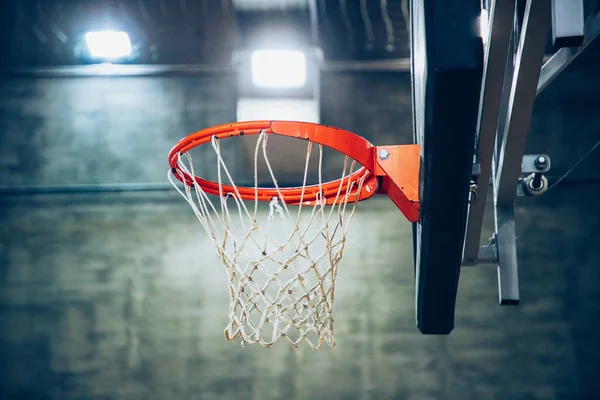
398 167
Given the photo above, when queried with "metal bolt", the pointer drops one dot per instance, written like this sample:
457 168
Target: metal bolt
536 182
473 191
541 162
383 154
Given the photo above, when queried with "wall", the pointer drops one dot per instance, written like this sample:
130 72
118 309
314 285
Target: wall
376 106
59 131
121 296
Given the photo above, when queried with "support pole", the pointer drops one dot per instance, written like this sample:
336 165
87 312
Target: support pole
529 57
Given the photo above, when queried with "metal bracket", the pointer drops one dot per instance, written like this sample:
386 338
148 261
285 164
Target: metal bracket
533 182
535 163
511 92
399 166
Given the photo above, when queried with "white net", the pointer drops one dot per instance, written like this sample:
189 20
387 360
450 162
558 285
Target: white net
281 260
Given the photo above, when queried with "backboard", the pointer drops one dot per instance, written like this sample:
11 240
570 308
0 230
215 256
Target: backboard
447 67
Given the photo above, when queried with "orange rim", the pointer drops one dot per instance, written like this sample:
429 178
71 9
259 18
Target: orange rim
348 143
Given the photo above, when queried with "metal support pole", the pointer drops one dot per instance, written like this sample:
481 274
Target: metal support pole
501 23
504 102
506 244
528 64
523 91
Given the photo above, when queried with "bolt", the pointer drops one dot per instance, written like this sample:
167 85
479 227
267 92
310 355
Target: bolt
536 182
383 154
541 162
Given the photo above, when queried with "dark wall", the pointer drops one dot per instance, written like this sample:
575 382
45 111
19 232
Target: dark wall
65 131
376 106
122 296
566 122
59 131
559 234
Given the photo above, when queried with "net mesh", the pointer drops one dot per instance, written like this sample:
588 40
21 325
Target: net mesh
281 260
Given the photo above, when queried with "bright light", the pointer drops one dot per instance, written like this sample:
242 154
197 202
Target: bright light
108 45
484 25
278 68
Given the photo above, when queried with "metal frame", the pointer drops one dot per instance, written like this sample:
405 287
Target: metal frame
528 63
497 50
565 56
497 103
508 94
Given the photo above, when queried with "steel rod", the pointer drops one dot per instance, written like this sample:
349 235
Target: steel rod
527 68
501 22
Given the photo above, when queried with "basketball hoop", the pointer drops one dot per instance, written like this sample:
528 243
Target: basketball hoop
281 270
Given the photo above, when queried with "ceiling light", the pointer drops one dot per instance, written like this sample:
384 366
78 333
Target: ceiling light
108 45
284 69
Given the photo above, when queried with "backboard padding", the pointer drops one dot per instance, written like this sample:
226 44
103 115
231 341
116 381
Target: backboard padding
447 68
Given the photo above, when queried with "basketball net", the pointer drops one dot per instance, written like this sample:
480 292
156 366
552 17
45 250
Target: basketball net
281 260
